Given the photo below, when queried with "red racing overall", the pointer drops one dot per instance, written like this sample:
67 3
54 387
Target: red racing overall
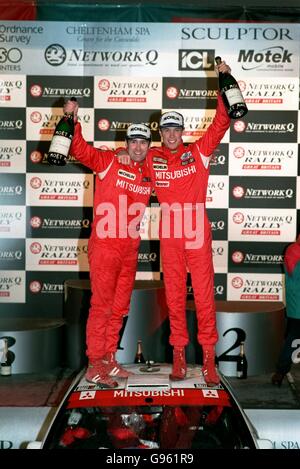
112 259
181 177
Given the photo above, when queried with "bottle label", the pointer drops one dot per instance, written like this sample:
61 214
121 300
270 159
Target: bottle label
234 96
239 374
60 145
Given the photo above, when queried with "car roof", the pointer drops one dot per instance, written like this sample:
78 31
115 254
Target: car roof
152 387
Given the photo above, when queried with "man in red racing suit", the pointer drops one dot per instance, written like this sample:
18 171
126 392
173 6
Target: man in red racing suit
121 196
180 177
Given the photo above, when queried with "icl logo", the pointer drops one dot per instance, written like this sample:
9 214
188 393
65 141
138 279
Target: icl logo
196 59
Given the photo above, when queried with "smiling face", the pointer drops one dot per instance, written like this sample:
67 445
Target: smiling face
137 148
171 137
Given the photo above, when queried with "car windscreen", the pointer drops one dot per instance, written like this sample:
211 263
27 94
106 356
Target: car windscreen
150 426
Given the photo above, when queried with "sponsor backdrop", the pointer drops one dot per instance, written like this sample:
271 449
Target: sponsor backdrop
125 72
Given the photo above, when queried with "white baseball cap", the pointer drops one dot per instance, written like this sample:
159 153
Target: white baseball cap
171 119
138 131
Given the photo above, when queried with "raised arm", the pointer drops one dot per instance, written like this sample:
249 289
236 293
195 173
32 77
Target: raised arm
219 125
95 159
216 131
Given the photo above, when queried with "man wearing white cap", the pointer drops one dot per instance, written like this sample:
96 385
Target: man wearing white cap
121 196
180 176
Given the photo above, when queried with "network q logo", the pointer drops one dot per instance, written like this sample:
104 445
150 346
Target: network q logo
36 156
238 218
35 286
172 92
35 248
238 192
237 282
196 59
36 91
55 55
35 222
104 84
237 257
103 125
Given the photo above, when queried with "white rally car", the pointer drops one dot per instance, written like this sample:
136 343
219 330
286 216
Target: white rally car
148 411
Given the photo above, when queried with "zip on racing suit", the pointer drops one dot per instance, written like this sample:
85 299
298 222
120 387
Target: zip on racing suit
180 177
112 259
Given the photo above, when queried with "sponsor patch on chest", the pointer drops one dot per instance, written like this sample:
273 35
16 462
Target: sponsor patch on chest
126 174
158 159
185 156
160 167
189 161
162 183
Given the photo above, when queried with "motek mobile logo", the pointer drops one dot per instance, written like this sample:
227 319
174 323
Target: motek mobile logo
270 57
196 59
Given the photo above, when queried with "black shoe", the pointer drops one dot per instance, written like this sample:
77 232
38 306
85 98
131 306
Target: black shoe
277 378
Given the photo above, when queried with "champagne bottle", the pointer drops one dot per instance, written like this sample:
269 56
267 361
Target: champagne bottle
242 364
139 357
61 140
5 365
231 94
